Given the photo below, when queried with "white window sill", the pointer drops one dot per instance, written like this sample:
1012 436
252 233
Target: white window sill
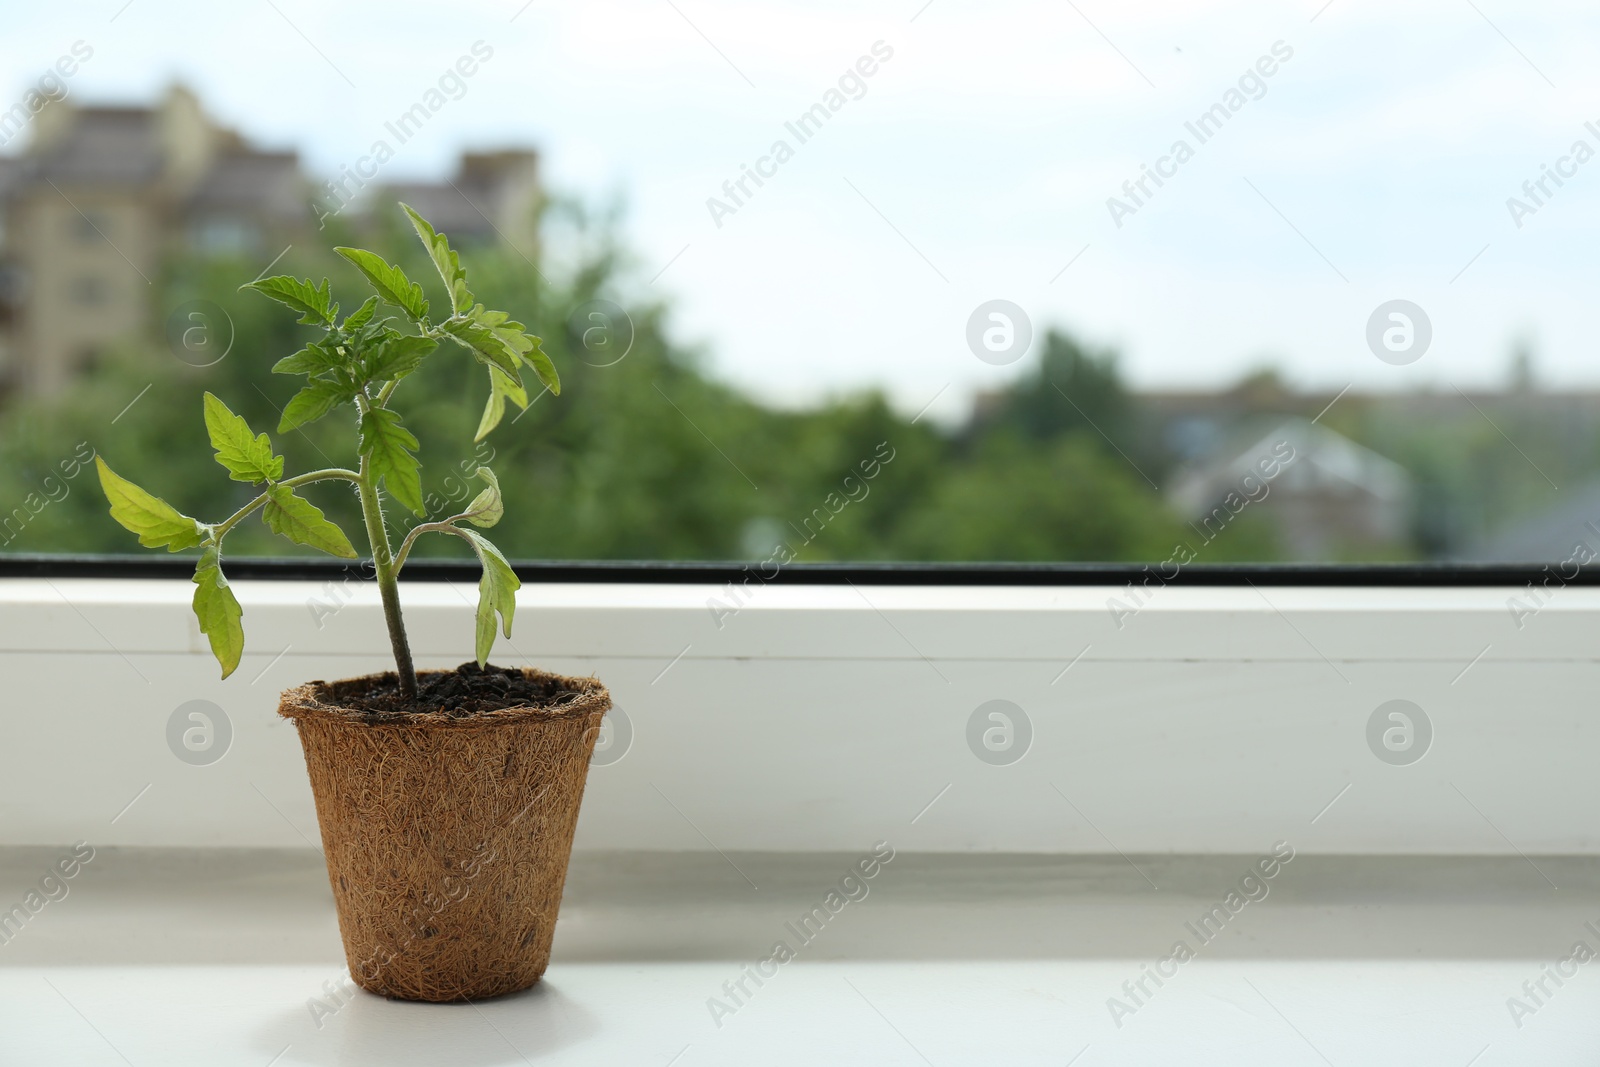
1216 720
960 959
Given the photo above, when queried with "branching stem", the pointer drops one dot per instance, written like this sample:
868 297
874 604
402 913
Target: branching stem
243 513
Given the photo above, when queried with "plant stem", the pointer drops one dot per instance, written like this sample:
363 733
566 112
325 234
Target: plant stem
301 479
417 531
388 580
383 564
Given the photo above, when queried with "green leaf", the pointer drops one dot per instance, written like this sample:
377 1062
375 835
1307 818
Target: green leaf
218 611
487 508
497 592
312 359
523 346
303 523
501 389
314 401
158 524
398 356
390 282
542 366
485 346
361 315
388 446
445 261
314 304
248 457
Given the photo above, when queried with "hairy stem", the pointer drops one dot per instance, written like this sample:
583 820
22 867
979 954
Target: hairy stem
385 571
388 581
416 531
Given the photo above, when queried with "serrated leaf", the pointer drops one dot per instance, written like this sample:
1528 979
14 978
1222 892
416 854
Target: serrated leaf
542 365
501 389
361 315
485 346
314 303
525 347
312 359
390 282
302 522
218 611
158 524
314 401
399 356
248 457
487 508
497 593
388 447
445 261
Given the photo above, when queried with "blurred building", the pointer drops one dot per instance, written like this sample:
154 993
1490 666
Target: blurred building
494 197
1566 530
103 196
1325 496
90 210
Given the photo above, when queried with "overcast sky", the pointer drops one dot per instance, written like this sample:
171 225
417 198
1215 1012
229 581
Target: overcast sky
1375 165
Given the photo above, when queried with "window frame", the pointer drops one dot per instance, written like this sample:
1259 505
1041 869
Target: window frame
1429 575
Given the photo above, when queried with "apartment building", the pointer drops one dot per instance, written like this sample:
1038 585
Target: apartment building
102 196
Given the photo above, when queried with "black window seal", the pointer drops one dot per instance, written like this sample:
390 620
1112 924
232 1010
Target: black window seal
1381 575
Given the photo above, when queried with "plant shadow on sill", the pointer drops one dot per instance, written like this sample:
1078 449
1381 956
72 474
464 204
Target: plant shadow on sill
517 1028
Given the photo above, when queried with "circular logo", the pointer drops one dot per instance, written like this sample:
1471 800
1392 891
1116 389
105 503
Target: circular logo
199 733
200 333
999 332
604 332
1399 332
999 733
614 740
1399 733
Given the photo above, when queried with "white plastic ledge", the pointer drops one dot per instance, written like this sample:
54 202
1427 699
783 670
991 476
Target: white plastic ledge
832 717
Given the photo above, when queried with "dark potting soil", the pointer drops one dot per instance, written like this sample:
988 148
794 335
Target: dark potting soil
466 691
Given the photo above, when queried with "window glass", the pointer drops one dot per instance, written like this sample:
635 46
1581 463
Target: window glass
1163 283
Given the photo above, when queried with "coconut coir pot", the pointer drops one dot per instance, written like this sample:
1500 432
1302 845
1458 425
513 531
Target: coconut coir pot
447 832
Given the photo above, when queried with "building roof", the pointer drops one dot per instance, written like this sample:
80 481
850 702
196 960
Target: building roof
1324 461
450 210
474 202
250 182
102 145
